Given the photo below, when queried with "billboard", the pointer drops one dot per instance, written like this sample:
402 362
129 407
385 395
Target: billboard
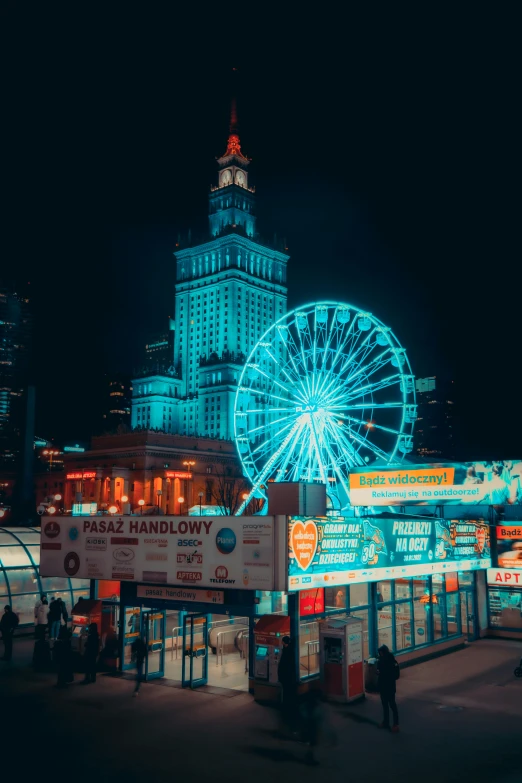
509 546
232 552
327 550
491 483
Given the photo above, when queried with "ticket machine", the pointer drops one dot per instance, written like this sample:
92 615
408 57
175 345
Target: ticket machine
84 613
341 658
268 635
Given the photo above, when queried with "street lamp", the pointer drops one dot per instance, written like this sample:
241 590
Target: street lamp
180 501
189 463
124 499
51 453
51 510
141 503
245 498
57 497
200 496
113 509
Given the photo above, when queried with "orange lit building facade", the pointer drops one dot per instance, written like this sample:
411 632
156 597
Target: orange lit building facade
172 472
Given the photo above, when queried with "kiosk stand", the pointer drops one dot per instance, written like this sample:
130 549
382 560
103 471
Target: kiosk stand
341 658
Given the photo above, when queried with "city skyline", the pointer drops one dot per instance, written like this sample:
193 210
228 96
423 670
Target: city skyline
369 218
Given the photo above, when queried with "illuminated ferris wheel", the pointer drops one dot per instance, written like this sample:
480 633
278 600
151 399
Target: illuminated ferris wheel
326 389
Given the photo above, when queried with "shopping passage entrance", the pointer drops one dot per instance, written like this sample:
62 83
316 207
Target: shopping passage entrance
193 642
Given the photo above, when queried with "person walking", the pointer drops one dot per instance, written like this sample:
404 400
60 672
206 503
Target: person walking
62 654
63 610
8 624
38 605
42 619
139 651
92 648
388 673
54 619
287 677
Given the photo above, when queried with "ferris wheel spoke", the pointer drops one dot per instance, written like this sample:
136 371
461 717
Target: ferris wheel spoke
283 368
373 425
369 405
363 346
267 425
369 445
377 360
267 445
371 388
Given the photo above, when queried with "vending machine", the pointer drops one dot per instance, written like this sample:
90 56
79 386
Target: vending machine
341 658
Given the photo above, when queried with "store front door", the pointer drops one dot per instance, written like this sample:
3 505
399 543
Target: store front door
194 663
467 614
153 631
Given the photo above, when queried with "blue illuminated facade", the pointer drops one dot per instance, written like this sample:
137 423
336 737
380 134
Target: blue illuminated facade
229 290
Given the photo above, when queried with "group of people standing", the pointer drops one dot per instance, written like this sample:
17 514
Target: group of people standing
49 617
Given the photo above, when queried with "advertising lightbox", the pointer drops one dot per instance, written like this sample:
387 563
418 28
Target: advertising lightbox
231 552
326 551
509 546
490 483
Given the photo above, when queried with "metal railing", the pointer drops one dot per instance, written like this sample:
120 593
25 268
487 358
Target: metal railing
177 639
219 642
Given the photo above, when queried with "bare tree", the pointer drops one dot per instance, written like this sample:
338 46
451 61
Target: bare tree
228 491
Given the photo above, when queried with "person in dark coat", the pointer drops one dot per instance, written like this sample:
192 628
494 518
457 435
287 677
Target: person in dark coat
92 648
62 654
388 673
54 618
286 675
8 623
139 651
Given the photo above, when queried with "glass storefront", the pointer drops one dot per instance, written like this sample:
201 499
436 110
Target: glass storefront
20 582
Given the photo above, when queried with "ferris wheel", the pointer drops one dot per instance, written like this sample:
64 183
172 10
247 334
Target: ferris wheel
327 388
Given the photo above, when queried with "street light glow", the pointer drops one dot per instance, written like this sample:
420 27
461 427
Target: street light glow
51 510
113 510
124 499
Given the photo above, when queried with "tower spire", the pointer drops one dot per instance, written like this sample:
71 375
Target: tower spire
233 116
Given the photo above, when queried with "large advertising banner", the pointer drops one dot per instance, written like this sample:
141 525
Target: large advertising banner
490 483
232 552
327 550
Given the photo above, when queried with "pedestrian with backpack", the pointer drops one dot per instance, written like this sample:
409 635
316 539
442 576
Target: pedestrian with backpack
388 673
8 624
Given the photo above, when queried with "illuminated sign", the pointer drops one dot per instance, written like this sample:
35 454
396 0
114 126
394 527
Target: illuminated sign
502 576
181 594
145 549
509 546
492 483
73 448
178 474
311 601
327 551
86 474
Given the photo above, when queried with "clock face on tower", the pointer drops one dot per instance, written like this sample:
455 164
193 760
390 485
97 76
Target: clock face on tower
226 178
240 178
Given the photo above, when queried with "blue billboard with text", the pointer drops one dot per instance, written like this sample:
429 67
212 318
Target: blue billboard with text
329 551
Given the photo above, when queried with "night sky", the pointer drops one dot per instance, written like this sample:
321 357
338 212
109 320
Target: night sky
383 150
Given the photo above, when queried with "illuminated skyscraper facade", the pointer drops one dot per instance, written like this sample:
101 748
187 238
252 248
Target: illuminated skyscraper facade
229 290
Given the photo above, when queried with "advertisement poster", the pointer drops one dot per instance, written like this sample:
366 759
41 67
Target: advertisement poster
509 546
328 550
232 552
490 483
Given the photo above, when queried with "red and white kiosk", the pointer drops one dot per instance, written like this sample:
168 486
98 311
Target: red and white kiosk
341 658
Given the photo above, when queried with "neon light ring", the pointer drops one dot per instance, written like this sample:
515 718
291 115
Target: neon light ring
326 388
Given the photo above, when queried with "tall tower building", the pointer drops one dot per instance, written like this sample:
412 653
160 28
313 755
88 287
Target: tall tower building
229 290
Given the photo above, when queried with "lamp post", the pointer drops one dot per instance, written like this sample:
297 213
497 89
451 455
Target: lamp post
200 496
141 503
181 500
245 497
51 453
